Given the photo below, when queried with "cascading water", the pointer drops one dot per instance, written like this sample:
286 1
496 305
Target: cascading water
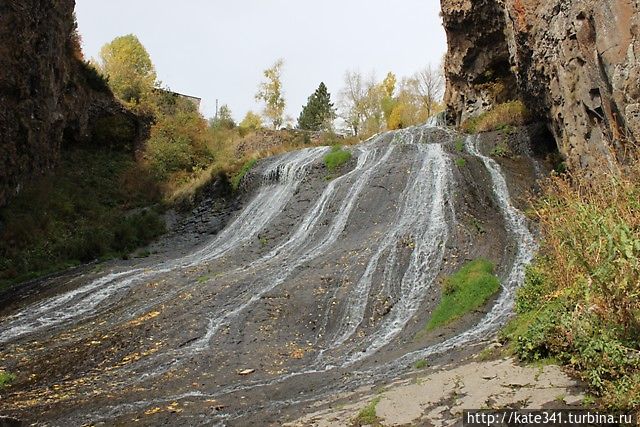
401 260
282 177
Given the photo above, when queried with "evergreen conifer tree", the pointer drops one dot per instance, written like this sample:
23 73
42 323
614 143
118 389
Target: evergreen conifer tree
319 112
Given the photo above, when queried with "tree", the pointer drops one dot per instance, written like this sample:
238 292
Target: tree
251 121
360 104
224 119
388 102
351 101
270 92
430 87
319 113
128 67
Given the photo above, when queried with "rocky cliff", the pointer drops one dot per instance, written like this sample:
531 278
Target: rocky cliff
48 95
574 63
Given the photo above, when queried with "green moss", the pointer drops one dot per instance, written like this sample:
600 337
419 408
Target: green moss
421 364
336 158
6 378
237 178
468 289
461 162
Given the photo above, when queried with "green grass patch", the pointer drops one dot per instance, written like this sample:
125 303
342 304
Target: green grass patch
237 178
459 145
468 289
6 378
461 162
90 207
421 364
367 416
336 158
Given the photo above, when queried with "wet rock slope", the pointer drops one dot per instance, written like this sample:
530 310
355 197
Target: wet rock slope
320 283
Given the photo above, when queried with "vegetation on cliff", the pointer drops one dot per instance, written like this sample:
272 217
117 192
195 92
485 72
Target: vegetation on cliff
580 304
466 290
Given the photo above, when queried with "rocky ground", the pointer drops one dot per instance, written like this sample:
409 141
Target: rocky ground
439 395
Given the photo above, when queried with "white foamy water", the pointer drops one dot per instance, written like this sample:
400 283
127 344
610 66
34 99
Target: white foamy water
282 178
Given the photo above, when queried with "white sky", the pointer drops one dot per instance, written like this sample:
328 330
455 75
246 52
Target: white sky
217 49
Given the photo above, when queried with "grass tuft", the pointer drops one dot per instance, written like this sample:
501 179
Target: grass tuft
237 178
367 416
6 378
468 289
336 158
502 116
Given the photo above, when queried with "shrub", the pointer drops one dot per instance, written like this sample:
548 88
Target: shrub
178 143
580 303
513 113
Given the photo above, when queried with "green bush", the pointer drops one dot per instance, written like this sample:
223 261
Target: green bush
178 143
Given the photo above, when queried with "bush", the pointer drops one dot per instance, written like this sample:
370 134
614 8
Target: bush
178 143
580 303
513 113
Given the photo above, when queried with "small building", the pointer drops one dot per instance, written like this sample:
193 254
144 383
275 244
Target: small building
193 99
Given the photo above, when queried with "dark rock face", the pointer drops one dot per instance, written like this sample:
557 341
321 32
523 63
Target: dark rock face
47 94
574 63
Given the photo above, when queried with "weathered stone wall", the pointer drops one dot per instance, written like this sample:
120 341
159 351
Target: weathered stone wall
575 63
47 95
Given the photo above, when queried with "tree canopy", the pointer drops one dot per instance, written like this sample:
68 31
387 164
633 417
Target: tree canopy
128 67
270 92
319 112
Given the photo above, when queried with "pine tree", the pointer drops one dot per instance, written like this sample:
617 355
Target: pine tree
319 112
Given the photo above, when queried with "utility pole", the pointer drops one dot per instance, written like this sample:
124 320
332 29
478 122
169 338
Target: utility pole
216 109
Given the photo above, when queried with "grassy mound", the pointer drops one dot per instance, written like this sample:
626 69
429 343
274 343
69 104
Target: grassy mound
336 158
468 289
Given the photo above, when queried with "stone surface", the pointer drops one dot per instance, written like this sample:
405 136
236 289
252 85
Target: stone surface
573 63
47 96
439 398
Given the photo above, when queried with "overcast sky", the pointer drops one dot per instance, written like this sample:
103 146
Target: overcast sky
218 49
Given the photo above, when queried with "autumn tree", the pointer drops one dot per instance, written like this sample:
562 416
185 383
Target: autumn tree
388 89
319 113
270 92
251 121
429 85
224 118
128 67
360 104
